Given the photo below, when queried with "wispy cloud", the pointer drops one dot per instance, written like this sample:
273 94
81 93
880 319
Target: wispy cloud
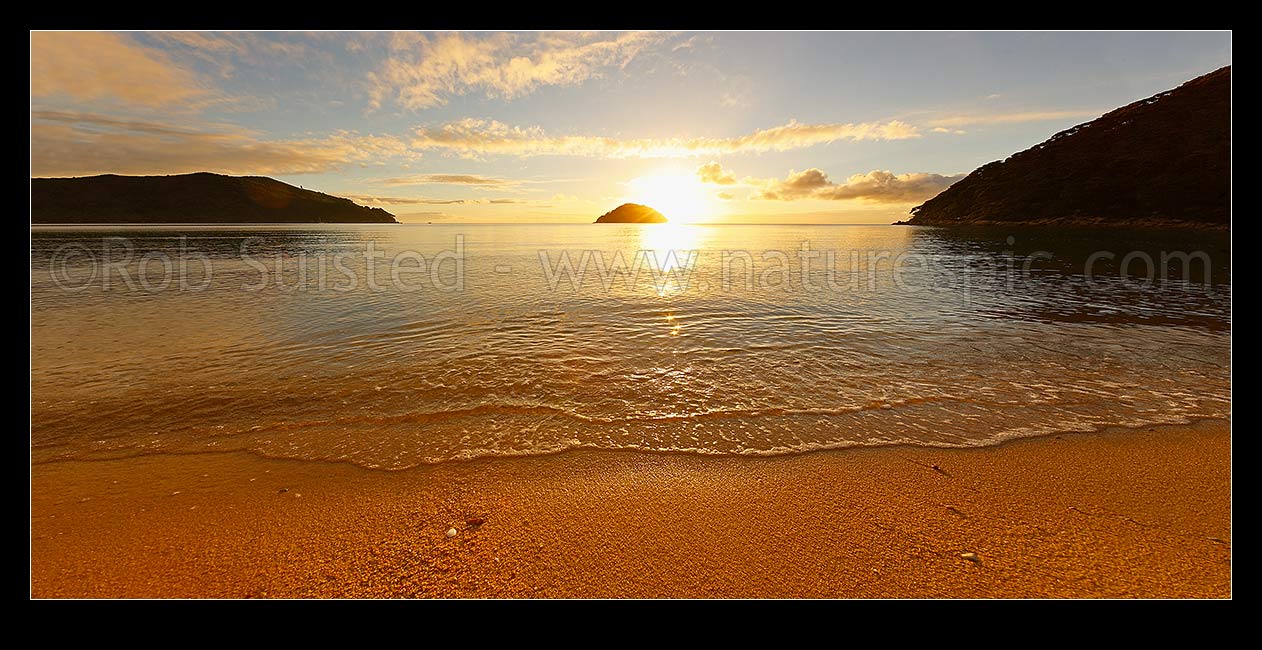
97 123
693 41
227 50
875 186
106 66
78 144
738 91
713 172
427 216
374 199
473 138
956 121
448 179
424 71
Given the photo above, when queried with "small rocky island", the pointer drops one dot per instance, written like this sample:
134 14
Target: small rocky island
189 198
632 213
1160 161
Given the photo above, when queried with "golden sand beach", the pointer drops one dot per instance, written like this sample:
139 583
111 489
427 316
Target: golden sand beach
1122 513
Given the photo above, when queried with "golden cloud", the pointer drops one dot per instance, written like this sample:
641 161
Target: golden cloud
956 121
875 186
447 179
423 71
472 138
225 50
82 144
373 199
713 172
94 66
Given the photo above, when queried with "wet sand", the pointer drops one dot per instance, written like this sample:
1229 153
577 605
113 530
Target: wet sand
1121 513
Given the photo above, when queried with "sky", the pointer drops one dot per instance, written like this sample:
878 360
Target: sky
770 127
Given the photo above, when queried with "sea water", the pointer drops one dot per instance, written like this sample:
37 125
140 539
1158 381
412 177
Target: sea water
390 346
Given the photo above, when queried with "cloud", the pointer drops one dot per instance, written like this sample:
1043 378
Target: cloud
885 187
694 41
227 42
713 172
96 122
447 179
875 186
734 99
472 138
738 91
227 50
1011 118
943 129
427 216
241 44
424 71
373 199
98 66
724 196
80 144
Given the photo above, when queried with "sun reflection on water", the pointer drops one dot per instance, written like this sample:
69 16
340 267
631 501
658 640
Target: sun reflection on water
679 238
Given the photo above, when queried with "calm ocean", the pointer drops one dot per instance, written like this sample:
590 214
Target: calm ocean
393 346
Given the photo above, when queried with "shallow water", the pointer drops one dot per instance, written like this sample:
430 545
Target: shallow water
165 340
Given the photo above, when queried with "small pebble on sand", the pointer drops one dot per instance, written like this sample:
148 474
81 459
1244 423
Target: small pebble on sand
971 557
451 532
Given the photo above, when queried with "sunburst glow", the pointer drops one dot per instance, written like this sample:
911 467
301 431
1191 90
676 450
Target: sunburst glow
680 196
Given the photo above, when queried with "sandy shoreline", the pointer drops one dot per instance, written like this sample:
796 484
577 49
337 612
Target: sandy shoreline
1121 513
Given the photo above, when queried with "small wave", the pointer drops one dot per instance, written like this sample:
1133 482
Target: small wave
491 410
365 459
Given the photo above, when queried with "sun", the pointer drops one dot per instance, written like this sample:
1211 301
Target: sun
681 197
